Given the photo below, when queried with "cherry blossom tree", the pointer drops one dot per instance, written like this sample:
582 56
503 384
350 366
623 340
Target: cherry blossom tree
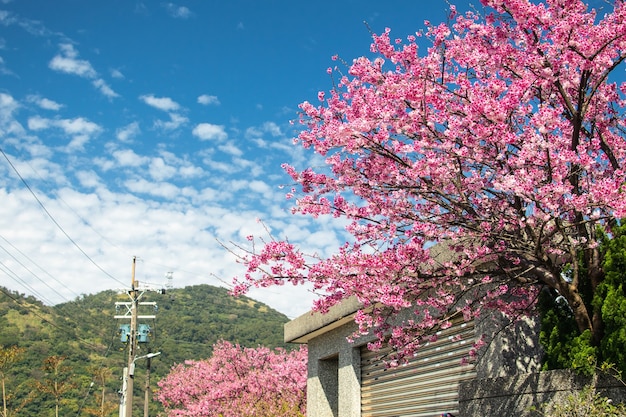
471 174
238 381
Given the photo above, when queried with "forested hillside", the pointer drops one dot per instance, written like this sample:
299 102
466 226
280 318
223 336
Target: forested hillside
78 343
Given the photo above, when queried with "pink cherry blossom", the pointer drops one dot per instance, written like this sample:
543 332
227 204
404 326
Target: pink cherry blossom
471 173
238 381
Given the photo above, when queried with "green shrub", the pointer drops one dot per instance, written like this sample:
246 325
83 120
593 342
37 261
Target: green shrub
584 403
565 347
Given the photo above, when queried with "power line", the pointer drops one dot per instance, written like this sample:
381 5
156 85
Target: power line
45 320
54 220
34 274
8 271
85 221
198 274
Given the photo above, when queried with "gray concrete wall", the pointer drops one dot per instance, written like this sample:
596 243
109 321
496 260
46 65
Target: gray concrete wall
334 375
514 395
510 347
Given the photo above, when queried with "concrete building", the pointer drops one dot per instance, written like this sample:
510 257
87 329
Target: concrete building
347 380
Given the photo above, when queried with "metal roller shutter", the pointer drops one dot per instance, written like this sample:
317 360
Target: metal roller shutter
425 386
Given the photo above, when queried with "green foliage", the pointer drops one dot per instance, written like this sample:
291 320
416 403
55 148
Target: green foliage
610 298
584 403
564 345
189 321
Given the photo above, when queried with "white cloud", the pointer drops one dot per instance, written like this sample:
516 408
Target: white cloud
148 220
76 126
230 149
115 73
259 187
253 168
272 128
165 104
80 129
208 131
36 149
128 158
39 167
160 171
67 61
38 123
44 103
157 189
176 121
161 103
258 132
178 12
191 171
224 167
88 179
8 105
128 132
3 68
77 143
104 88
206 100
103 163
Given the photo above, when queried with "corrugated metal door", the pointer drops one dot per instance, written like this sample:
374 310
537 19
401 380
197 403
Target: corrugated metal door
425 386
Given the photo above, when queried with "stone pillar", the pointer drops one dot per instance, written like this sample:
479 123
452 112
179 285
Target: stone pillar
349 381
334 376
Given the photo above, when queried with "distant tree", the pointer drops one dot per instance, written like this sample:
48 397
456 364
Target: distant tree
101 375
237 381
9 355
504 142
56 381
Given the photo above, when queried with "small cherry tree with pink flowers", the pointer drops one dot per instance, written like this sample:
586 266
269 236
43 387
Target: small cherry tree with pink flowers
238 381
503 141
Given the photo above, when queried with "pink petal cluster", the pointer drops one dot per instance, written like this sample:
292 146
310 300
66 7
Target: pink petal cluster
238 381
502 143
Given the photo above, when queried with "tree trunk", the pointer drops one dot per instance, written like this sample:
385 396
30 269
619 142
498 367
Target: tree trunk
4 398
596 276
576 303
570 291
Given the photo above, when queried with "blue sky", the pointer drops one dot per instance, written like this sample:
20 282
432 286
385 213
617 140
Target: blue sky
154 129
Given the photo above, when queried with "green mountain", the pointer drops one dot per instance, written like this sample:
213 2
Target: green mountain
84 338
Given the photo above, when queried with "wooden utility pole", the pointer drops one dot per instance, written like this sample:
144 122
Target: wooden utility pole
132 342
146 399
132 313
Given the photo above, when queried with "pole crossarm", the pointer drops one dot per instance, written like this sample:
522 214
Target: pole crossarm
129 310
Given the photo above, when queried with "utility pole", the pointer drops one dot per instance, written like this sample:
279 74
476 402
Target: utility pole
132 342
132 307
146 397
123 393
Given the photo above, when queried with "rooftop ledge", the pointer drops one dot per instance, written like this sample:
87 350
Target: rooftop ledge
312 324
